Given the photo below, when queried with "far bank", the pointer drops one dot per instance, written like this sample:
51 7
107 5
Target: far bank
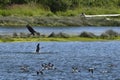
59 21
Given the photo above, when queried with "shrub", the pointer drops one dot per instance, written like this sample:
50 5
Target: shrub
58 5
52 35
6 38
104 35
14 34
112 33
49 14
109 34
62 35
87 34
23 35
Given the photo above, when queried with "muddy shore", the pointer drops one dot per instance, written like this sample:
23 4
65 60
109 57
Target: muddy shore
58 21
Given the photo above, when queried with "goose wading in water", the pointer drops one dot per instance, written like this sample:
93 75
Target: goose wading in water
38 48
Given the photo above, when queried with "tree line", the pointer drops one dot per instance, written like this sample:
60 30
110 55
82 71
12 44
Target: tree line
63 5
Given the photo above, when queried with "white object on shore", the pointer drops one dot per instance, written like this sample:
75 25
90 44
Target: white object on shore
104 15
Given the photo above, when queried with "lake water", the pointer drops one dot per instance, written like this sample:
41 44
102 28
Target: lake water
104 57
68 30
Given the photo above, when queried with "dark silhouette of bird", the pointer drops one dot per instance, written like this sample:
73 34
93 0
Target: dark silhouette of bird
32 31
38 48
91 70
75 69
39 72
24 69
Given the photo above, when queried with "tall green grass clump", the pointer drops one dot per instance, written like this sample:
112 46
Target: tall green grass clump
31 9
58 7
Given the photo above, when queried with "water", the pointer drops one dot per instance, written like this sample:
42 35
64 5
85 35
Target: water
48 30
103 56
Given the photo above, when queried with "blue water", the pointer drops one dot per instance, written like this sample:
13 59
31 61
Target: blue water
48 30
103 56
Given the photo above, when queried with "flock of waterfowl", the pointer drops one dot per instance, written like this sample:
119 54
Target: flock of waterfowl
51 66
47 66
74 69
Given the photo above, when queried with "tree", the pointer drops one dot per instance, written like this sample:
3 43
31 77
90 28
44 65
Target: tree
58 5
18 1
3 3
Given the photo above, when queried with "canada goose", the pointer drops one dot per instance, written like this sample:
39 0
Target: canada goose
37 48
48 66
91 70
75 69
24 69
39 72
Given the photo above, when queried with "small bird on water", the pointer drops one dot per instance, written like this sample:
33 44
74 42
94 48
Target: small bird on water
39 72
37 48
91 70
75 70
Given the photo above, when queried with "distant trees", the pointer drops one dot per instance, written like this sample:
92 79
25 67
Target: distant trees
4 2
18 1
58 5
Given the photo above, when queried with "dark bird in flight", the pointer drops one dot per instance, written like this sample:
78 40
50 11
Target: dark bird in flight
37 48
32 31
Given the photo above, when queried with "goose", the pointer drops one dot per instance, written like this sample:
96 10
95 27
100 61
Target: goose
91 70
75 69
39 72
37 48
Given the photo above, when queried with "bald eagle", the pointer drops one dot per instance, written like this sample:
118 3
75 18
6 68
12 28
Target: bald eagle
32 31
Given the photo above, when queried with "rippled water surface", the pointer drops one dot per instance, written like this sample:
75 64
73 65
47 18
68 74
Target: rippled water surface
68 30
104 57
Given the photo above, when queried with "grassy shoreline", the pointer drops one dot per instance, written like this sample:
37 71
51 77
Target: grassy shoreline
36 15
62 37
82 39
40 14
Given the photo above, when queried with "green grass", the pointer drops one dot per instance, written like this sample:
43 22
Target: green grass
55 39
90 11
25 10
37 10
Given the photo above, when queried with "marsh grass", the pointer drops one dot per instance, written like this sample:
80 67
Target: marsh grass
34 9
90 11
46 39
6 39
25 10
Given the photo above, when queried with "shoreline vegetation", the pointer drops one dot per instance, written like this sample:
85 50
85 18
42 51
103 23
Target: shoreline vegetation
59 21
59 12
108 35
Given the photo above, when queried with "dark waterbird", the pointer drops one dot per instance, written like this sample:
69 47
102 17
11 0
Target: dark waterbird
91 70
24 68
38 48
39 72
75 69
32 31
48 66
